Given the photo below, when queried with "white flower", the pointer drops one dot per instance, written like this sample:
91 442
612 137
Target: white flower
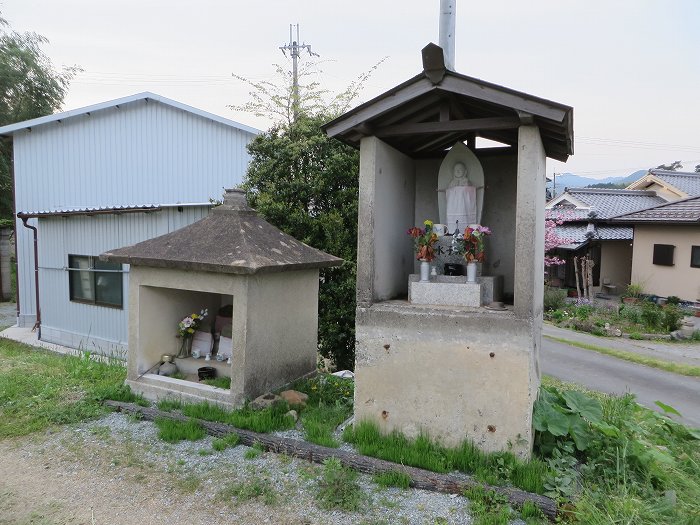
187 322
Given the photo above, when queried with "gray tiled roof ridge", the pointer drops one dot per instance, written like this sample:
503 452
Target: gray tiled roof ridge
613 191
664 205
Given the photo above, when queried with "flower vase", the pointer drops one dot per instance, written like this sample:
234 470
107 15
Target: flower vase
471 272
185 348
424 271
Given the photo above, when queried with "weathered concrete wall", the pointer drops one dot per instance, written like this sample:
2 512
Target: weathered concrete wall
275 327
616 264
454 373
386 207
282 329
157 300
681 279
5 267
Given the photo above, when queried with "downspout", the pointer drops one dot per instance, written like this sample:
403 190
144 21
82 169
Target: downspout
11 155
37 325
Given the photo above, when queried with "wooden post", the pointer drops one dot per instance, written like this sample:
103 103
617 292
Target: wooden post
578 287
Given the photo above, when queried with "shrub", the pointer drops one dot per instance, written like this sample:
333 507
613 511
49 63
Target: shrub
554 298
652 316
672 316
672 299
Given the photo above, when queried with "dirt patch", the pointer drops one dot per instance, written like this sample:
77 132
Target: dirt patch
116 471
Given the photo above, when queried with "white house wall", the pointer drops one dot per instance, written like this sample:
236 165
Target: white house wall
140 153
91 327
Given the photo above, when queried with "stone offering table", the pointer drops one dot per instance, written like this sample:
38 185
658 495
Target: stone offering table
455 290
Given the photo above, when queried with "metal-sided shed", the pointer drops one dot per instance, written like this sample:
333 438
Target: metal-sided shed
107 175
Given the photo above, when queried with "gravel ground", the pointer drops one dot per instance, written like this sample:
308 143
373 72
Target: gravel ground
8 314
116 470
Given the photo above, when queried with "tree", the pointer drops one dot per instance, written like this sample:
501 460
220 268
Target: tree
552 239
674 166
306 184
30 87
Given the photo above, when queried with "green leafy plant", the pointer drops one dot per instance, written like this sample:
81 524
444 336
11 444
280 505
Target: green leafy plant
554 298
559 417
338 488
487 507
634 290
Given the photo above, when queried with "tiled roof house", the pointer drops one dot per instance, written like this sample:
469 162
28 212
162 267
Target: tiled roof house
608 225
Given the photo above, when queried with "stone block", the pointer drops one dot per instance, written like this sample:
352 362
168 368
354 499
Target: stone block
455 290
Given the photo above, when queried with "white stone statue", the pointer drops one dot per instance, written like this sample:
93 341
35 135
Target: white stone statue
460 199
460 189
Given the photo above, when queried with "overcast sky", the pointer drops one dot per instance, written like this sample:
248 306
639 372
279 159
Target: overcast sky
628 67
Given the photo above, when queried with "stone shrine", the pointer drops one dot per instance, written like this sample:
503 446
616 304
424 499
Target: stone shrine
462 370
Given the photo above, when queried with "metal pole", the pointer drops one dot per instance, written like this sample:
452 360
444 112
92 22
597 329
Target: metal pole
294 48
448 13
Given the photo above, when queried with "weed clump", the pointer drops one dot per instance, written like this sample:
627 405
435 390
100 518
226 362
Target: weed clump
173 431
337 488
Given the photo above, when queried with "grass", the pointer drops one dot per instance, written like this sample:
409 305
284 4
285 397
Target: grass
495 469
39 389
254 452
263 421
625 475
219 382
173 431
320 422
392 478
487 507
168 405
223 443
258 488
676 368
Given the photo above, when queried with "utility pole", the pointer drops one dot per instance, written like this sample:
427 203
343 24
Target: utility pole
295 49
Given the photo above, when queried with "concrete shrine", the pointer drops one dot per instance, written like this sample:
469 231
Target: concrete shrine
232 257
441 358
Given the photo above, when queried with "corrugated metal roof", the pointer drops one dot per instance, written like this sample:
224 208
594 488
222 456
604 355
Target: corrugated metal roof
686 211
94 210
13 128
611 203
684 181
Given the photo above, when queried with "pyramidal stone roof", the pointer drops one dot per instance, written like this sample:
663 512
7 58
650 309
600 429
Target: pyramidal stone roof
232 239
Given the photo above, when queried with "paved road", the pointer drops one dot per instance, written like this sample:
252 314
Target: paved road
614 376
678 352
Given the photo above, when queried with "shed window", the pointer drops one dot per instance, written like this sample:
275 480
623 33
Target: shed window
695 256
95 282
663 254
